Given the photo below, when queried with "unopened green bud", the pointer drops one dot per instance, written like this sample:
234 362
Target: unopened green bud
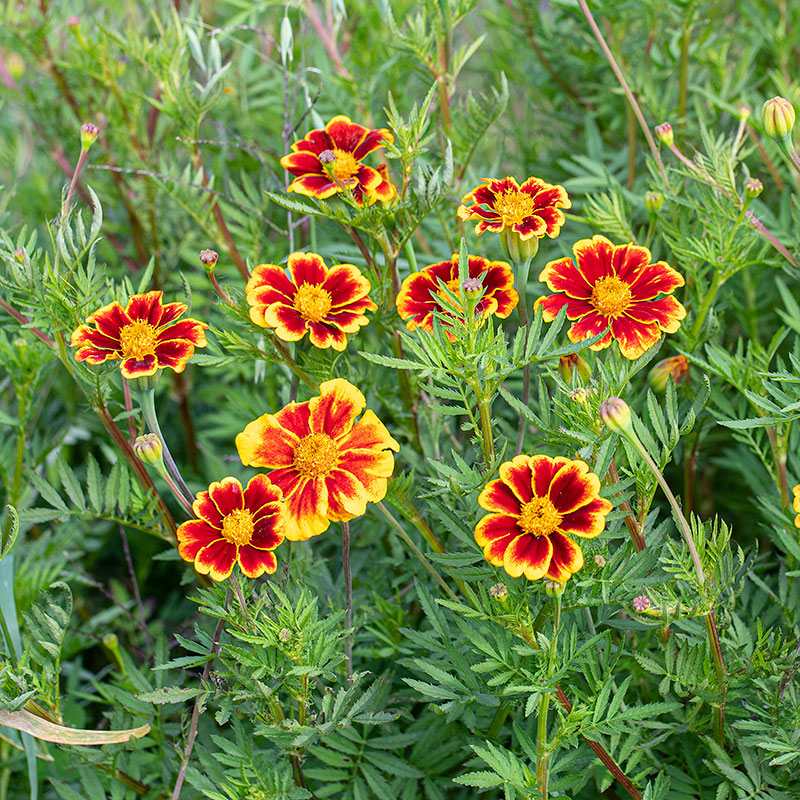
599 561
743 112
111 641
517 249
676 367
665 134
579 395
89 135
499 592
149 449
753 188
778 117
567 365
284 634
553 588
654 201
616 414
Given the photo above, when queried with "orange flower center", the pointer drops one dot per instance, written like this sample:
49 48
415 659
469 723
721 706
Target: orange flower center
611 296
138 340
345 165
513 206
539 517
315 455
313 302
237 527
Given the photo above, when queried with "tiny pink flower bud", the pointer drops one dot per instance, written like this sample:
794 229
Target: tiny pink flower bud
19 255
284 634
778 117
743 112
665 134
89 134
641 603
599 561
73 21
616 414
676 367
753 188
472 287
209 258
327 157
499 592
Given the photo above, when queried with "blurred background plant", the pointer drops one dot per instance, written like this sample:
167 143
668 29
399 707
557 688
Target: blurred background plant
195 103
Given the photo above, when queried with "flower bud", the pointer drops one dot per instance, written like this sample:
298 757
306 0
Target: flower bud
654 201
15 64
149 449
641 603
599 561
677 367
616 414
569 364
664 133
19 255
778 117
327 157
753 188
73 21
553 588
209 258
516 249
499 592
743 112
89 134
579 395
284 634
472 288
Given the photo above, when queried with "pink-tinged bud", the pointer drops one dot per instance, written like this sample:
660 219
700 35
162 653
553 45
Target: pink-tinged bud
616 414
554 588
753 188
599 561
89 135
284 634
149 449
641 603
778 117
472 288
19 255
665 134
518 250
209 258
572 363
676 367
743 112
579 395
327 157
73 21
654 201
499 592
15 64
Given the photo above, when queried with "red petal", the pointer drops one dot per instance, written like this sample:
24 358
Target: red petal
573 486
495 526
269 284
372 141
204 508
655 279
516 474
254 563
591 324
667 312
634 337
139 368
543 470
289 324
260 494
306 504
302 163
323 335
174 354
307 268
345 283
146 307
169 313
629 260
320 186
227 495
497 496
270 440
587 521
528 554
346 135
110 319
216 559
269 529
567 558
193 536
335 410
347 497
593 258
563 276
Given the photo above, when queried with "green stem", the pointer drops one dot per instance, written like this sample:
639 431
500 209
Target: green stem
416 551
487 440
294 366
499 718
544 703
716 282
522 311
684 81
348 594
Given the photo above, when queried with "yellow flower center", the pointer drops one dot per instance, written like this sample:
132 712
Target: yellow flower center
237 527
313 302
611 296
539 517
315 455
138 340
513 206
345 165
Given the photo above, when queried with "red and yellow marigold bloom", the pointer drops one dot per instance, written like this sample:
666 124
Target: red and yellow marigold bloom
617 286
145 336
421 293
536 505
530 209
328 161
328 465
326 303
234 526
796 505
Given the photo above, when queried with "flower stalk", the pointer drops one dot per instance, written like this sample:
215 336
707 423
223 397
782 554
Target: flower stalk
348 595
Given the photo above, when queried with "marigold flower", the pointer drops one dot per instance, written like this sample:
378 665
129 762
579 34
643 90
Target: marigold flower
421 293
234 526
536 503
328 303
796 504
530 209
328 465
317 174
145 336
616 286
